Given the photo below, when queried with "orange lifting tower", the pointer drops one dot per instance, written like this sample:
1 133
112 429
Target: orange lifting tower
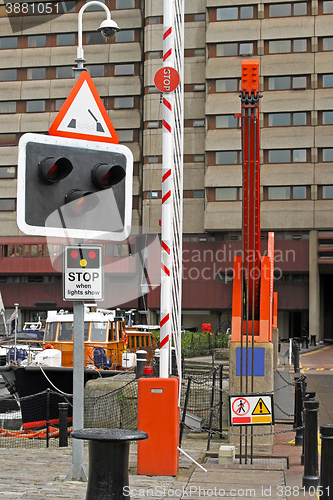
252 303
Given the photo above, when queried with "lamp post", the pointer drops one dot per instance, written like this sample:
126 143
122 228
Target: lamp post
108 28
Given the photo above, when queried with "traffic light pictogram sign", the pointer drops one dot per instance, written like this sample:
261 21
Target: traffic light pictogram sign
74 188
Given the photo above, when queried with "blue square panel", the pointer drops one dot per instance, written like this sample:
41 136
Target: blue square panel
258 361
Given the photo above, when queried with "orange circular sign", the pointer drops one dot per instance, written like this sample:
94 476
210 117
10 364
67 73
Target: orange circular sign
166 79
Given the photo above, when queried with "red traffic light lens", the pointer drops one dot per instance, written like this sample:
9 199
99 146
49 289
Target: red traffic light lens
52 170
105 175
81 202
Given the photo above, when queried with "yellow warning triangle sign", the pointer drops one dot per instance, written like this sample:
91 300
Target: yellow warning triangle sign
261 408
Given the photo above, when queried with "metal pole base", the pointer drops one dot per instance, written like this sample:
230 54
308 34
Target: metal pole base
77 474
308 481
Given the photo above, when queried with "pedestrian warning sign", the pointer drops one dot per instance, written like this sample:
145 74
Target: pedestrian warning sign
249 409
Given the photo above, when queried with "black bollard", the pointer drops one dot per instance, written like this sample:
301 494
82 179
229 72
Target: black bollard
140 362
313 340
63 431
296 357
305 343
326 463
298 422
309 396
108 461
311 476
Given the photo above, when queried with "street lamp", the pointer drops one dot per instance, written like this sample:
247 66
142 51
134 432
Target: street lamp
108 28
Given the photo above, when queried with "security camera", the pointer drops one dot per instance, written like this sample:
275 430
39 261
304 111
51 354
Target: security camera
108 28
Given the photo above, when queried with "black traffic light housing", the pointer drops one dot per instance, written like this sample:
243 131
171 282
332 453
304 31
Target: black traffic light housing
75 188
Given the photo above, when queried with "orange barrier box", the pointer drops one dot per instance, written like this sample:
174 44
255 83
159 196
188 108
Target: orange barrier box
158 416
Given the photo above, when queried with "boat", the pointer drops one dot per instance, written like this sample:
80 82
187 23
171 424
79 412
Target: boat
109 349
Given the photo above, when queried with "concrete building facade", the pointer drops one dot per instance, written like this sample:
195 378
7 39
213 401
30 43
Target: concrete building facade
293 42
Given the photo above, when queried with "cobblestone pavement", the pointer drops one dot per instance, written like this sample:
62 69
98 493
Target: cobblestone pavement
38 474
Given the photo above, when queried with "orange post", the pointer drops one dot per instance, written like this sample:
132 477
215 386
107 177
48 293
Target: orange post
158 416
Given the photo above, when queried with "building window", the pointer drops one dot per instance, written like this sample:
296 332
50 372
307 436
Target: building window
234 49
125 4
227 157
226 121
287 119
199 52
327 192
154 55
123 102
287 46
327 43
153 124
8 75
35 106
7 139
198 193
287 155
96 70
153 159
234 13
279 193
94 38
154 20
36 73
327 80
199 17
288 9
8 107
328 7
327 117
65 39
199 158
198 123
125 36
287 82
273 193
226 194
7 204
199 87
37 41
59 103
227 85
7 172
123 69
152 195
64 72
125 135
69 6
8 42
327 154
299 193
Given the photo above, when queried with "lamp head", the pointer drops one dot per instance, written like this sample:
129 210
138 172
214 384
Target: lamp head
109 28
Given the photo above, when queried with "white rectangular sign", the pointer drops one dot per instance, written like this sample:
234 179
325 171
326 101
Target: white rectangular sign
83 272
251 409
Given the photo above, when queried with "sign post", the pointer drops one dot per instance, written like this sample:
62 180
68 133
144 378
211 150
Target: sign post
82 279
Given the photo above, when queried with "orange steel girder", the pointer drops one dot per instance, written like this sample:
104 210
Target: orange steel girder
253 312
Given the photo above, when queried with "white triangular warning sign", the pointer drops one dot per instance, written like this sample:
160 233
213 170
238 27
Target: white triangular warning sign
83 115
261 408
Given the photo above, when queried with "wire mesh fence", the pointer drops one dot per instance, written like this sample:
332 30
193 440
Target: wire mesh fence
33 421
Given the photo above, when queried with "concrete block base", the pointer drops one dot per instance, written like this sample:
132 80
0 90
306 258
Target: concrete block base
226 454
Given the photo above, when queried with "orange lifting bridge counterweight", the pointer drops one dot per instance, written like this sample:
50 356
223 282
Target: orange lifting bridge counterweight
252 315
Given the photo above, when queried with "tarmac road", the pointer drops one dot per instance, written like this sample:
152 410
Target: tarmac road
318 368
